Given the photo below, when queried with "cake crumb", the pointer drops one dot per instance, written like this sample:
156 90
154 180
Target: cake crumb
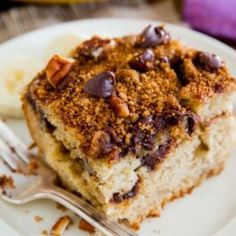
38 219
44 233
33 166
6 182
85 226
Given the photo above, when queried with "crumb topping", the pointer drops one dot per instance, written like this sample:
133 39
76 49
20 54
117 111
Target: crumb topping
120 93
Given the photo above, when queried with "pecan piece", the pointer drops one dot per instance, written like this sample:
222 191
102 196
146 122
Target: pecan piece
119 106
61 225
57 69
95 48
100 144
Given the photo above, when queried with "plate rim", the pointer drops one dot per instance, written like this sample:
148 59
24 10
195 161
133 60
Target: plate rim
118 19
230 51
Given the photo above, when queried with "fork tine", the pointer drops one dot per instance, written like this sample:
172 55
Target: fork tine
7 156
14 142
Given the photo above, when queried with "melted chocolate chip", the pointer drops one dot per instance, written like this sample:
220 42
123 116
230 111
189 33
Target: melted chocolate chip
210 60
45 123
114 137
191 122
141 137
167 118
102 85
31 101
118 198
164 120
152 159
164 59
153 36
177 66
143 62
144 139
218 88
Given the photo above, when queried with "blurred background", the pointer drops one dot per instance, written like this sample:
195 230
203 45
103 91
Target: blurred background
216 18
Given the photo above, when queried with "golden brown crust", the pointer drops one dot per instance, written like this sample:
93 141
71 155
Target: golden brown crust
164 81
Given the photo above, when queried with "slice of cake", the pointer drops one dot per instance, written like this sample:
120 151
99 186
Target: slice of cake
132 123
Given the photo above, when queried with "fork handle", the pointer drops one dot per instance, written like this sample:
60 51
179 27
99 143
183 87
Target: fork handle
87 212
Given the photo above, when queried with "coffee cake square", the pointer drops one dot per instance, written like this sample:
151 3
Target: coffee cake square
131 123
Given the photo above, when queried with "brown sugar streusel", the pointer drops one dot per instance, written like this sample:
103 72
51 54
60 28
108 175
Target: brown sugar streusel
120 94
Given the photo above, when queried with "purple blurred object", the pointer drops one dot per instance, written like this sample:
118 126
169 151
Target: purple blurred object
216 17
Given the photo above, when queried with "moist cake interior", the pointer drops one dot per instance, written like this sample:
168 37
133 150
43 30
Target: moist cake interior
131 123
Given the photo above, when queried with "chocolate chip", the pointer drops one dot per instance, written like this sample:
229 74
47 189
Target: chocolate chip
147 120
45 123
177 66
102 85
118 198
153 36
31 101
218 88
152 159
167 118
210 60
143 62
114 137
141 137
164 60
191 123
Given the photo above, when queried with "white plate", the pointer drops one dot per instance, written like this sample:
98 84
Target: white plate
209 210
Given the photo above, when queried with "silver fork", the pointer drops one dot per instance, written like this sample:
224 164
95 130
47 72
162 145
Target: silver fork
41 184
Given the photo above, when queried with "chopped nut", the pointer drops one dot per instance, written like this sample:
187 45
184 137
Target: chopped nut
84 225
101 143
57 68
61 225
146 113
119 106
95 48
134 117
